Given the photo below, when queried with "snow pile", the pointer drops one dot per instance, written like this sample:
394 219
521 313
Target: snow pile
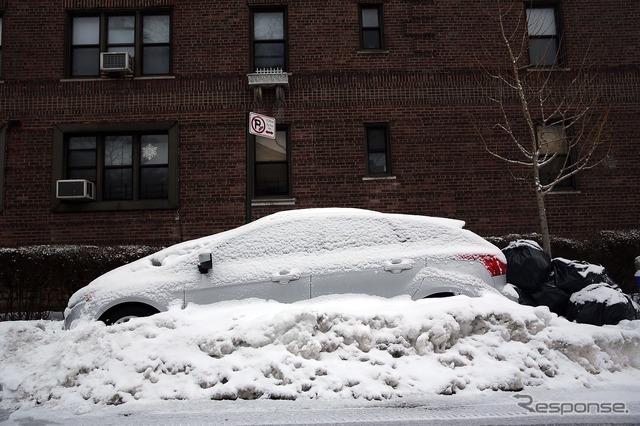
351 346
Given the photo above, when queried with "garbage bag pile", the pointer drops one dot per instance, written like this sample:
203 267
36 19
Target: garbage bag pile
579 291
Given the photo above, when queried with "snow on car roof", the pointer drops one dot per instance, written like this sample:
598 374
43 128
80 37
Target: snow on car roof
346 211
442 231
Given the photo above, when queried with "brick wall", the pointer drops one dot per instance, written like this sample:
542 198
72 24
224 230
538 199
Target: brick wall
424 85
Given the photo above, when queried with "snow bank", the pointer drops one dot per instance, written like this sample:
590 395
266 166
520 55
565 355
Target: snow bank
351 346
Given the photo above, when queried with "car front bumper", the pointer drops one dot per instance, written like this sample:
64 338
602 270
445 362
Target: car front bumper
72 314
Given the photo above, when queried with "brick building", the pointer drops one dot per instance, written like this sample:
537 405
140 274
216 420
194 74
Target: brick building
377 106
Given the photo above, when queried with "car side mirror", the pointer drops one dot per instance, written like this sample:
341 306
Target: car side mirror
205 262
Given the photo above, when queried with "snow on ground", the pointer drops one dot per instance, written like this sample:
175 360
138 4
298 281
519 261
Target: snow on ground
337 347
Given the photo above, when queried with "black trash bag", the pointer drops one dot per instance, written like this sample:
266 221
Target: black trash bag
573 275
600 304
550 295
524 298
528 266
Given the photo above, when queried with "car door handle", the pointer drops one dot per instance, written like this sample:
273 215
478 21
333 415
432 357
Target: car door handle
396 266
283 277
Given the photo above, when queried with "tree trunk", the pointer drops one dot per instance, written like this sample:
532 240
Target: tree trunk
544 225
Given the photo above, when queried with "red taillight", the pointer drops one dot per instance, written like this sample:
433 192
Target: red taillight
494 265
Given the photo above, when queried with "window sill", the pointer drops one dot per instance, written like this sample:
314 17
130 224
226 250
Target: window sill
370 178
59 206
273 202
531 68
151 77
372 52
564 192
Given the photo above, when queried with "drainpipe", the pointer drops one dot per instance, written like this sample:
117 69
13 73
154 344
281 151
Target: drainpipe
636 296
638 272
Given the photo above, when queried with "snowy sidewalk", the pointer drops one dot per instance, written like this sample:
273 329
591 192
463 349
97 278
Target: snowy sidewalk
485 408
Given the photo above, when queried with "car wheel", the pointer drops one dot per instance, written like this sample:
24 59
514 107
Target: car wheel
437 295
123 313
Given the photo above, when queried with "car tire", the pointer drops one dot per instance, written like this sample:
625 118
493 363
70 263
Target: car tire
439 295
123 313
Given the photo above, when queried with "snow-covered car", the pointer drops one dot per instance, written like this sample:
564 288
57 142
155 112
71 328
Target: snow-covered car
300 254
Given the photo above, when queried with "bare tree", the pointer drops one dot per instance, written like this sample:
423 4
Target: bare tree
551 124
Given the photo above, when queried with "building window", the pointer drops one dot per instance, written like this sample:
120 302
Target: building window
271 165
269 43
371 26
378 150
555 152
131 165
544 36
146 37
145 156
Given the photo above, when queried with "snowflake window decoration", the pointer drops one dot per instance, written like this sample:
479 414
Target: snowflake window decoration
149 152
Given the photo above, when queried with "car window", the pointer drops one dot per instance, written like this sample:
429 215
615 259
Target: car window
344 233
271 240
410 230
307 236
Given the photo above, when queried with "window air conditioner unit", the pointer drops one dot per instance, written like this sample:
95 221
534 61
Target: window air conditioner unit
75 189
116 63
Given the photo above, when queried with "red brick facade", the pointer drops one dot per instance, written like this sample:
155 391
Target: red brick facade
423 85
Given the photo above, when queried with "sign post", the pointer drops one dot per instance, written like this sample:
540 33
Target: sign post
261 125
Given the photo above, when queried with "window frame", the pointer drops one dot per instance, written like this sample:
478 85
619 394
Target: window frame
568 184
63 131
380 28
104 45
387 148
253 175
285 33
559 58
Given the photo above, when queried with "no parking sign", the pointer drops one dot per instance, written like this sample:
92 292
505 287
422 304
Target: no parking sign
261 125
